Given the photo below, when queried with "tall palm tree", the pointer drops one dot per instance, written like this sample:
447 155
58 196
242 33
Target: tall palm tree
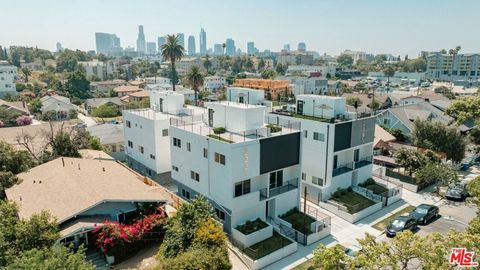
195 79
172 51
207 64
453 53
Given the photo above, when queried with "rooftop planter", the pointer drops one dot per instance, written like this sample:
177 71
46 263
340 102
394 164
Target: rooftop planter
373 186
274 128
352 201
252 232
219 130
219 138
299 221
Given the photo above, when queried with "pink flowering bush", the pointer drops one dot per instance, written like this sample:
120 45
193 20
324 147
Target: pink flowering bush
2 124
23 120
120 240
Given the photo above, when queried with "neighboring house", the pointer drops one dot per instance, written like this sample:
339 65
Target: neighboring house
367 99
157 80
111 137
307 70
461 91
19 107
213 83
125 90
82 194
8 75
93 103
381 140
139 96
139 84
58 104
105 87
273 89
312 85
402 117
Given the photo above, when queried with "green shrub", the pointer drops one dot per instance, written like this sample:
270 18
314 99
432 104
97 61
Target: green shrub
252 226
274 128
219 130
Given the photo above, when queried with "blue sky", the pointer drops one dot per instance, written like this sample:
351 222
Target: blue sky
327 26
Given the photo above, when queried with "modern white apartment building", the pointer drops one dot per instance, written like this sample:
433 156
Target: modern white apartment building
213 83
356 55
337 146
98 69
245 95
157 80
8 75
451 68
329 68
146 134
311 85
246 170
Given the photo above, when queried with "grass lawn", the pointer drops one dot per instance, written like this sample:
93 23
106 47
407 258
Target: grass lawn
219 138
267 246
354 202
298 220
307 265
377 189
381 225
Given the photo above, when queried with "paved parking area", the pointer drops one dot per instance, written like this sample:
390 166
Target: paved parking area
454 216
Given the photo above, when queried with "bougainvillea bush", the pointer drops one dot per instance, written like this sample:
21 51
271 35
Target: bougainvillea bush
123 240
23 120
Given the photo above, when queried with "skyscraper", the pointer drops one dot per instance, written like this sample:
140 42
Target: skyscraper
160 42
59 47
302 46
181 39
191 45
141 45
217 49
286 47
251 48
230 47
106 43
151 48
203 42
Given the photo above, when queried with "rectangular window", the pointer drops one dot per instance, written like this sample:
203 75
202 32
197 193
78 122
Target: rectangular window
195 176
335 161
152 156
140 149
219 158
128 124
304 176
114 148
319 136
242 188
175 168
317 181
356 155
177 142
164 132
205 153
130 144
189 147
220 214
387 121
305 133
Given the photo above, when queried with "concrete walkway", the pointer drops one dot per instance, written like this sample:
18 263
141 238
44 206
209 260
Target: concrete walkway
87 120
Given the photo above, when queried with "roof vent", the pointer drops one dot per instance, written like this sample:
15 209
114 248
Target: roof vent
79 166
34 181
103 168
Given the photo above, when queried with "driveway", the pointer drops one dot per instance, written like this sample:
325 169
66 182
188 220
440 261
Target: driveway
454 215
87 120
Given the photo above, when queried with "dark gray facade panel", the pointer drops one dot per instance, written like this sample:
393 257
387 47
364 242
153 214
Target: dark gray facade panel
343 136
279 152
363 131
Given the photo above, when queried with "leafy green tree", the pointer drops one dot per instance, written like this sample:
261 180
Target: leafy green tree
438 137
172 51
14 161
268 74
26 72
55 257
465 108
39 231
352 100
105 111
7 180
439 173
249 64
195 79
410 160
329 258
345 60
63 146
68 60
389 72
261 64
475 135
281 69
77 85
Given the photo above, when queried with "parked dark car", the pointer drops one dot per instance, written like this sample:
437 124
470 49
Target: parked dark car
457 192
424 213
401 224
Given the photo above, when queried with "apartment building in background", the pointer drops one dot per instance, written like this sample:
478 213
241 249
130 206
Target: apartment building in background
213 83
356 55
447 67
98 69
8 75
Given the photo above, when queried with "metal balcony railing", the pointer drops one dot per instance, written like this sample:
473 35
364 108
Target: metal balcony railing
363 162
341 169
267 193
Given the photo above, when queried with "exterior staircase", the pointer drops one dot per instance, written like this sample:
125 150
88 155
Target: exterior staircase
97 258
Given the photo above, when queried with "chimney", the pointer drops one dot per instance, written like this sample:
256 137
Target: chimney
78 166
103 168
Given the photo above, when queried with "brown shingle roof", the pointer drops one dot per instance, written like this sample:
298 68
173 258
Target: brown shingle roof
68 186
127 88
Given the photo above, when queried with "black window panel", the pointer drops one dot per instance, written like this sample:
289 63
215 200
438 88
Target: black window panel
238 190
335 161
343 136
279 178
246 187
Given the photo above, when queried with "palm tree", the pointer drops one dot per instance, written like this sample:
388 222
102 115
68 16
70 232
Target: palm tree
172 51
195 79
453 53
207 64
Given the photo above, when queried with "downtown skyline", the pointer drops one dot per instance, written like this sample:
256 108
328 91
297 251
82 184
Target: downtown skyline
325 26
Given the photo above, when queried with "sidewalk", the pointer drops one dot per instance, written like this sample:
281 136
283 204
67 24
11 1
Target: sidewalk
87 120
